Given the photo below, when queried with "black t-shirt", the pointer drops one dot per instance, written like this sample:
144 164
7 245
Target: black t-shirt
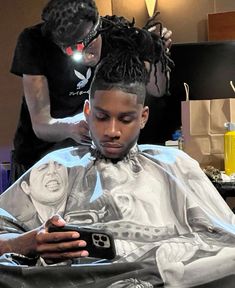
68 83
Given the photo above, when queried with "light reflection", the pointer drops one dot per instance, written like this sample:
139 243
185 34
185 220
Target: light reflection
77 56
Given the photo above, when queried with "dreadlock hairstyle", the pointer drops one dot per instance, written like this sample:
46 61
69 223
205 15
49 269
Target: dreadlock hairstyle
63 19
121 69
120 33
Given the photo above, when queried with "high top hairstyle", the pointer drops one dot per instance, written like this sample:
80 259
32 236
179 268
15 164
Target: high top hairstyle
120 33
123 70
63 19
128 50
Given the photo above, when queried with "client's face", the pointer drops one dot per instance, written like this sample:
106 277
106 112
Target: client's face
115 118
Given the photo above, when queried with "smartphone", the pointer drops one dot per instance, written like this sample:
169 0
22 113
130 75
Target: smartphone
100 243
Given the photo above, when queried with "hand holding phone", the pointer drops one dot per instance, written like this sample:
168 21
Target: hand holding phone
100 243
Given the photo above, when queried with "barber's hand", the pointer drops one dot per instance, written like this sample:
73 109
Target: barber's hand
55 247
166 36
80 132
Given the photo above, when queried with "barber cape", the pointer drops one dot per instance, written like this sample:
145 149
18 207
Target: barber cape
170 224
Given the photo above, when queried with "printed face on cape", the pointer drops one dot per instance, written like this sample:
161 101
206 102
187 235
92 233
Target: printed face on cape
115 118
50 180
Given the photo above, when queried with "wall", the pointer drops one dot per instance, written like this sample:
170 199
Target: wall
104 7
126 8
186 18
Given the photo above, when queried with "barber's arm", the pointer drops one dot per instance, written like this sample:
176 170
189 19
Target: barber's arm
165 34
46 127
157 89
52 247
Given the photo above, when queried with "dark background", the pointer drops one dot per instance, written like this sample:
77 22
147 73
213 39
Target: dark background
207 68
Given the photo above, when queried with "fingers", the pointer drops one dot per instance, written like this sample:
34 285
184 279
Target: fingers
168 44
56 220
83 134
60 251
62 256
84 125
152 29
166 35
60 245
59 242
55 237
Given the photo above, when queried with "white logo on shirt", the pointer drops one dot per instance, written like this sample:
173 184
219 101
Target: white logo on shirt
82 79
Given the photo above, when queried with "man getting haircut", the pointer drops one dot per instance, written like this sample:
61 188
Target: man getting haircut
170 225
56 60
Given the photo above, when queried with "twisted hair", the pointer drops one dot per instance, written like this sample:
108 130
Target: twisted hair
63 19
124 70
120 33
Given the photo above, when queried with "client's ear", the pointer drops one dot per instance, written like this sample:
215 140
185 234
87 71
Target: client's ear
145 116
86 108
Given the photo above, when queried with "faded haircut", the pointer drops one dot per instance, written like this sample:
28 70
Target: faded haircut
121 70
